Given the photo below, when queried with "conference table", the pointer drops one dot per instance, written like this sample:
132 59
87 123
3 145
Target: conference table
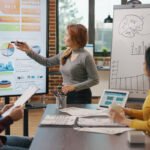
66 138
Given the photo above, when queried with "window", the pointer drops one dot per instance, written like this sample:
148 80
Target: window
145 1
103 31
100 33
70 11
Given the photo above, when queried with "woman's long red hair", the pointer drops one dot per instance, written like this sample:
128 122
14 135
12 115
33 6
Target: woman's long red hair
78 35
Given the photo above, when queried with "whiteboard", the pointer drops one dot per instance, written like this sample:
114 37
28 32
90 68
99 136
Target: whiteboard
22 20
131 36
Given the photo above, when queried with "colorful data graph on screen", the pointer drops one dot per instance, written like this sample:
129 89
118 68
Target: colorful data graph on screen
11 7
7 49
26 21
20 15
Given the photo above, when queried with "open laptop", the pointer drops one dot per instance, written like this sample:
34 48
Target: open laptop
109 96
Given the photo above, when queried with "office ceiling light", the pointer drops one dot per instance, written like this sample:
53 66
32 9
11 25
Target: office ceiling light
108 19
134 2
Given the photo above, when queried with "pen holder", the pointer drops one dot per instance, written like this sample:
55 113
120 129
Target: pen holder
61 101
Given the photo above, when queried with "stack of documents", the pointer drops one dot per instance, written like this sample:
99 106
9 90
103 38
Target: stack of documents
58 120
93 122
110 131
82 112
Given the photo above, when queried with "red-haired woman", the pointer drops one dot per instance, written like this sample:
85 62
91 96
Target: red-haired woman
76 65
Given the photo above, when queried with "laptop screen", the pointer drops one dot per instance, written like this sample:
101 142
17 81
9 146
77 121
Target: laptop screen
110 96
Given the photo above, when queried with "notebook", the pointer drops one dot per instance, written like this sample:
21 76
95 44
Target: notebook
58 120
112 96
22 99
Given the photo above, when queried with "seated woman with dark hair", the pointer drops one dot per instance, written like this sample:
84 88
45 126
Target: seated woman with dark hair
142 117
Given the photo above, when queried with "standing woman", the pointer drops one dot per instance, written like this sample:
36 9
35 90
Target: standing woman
77 66
141 117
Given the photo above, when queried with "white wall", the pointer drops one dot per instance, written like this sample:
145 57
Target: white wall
104 83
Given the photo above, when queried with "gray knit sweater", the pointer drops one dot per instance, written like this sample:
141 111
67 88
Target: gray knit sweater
81 72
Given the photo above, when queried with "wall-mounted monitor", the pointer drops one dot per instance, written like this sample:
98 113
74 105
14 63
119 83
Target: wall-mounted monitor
22 20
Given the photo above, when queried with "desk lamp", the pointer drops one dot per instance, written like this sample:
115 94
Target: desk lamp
108 19
134 2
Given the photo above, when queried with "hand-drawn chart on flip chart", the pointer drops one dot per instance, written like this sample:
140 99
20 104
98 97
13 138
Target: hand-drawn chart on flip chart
131 37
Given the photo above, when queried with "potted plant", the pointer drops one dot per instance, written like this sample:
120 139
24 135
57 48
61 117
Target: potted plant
63 48
105 56
105 52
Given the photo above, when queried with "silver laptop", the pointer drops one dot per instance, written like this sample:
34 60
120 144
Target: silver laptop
109 96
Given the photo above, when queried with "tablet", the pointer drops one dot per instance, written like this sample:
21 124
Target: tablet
110 96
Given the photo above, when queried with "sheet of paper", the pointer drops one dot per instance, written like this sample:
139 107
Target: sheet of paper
97 121
22 99
58 120
83 112
107 130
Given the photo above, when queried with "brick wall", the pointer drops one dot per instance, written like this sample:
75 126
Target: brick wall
53 80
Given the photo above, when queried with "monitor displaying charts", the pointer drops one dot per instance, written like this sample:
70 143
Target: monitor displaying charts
22 20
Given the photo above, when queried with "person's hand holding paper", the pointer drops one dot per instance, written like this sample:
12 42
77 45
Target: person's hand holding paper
21 100
17 113
5 108
116 113
118 117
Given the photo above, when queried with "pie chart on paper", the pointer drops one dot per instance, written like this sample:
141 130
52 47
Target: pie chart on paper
7 49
